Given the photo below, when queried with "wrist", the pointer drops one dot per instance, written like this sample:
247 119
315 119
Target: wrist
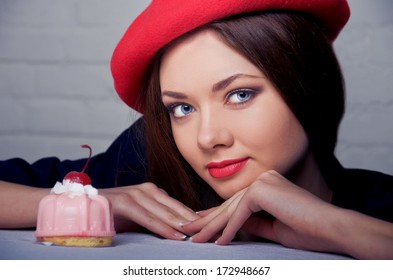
334 229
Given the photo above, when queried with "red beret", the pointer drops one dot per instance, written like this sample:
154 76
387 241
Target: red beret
164 20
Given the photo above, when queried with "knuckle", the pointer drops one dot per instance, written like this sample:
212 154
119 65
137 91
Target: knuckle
148 186
268 176
123 198
172 217
151 189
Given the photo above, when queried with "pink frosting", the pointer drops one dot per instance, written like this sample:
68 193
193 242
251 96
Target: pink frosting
74 215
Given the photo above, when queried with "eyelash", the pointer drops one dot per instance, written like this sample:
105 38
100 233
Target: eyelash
171 109
252 93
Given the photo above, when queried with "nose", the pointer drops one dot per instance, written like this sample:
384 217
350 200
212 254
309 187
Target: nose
214 132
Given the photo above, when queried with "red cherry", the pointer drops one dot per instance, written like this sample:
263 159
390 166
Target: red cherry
80 177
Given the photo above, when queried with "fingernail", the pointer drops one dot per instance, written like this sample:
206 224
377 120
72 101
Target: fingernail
180 235
185 223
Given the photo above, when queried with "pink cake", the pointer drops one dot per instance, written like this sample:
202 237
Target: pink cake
75 218
74 214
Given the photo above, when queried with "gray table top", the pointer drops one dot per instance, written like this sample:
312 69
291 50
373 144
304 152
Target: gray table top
21 245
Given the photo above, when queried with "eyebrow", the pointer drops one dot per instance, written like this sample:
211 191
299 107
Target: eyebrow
226 82
216 87
174 94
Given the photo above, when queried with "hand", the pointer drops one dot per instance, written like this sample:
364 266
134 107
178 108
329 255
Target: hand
304 221
294 215
298 217
213 220
150 207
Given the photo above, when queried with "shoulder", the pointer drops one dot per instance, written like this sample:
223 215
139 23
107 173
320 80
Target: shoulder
376 178
366 191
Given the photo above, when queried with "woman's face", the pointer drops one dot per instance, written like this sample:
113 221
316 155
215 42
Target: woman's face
228 120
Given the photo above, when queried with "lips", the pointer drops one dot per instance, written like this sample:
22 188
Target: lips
226 168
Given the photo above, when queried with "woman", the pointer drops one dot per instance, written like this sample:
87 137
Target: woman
242 122
248 105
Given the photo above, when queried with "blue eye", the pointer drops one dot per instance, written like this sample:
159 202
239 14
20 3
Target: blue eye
240 96
181 110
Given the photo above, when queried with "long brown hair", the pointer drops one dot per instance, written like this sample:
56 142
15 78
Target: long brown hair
293 52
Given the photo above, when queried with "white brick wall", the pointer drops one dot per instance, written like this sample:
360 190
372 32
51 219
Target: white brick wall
56 89
365 51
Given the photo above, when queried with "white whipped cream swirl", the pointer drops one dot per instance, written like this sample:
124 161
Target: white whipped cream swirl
74 189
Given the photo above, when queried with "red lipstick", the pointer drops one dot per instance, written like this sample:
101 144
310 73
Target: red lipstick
226 168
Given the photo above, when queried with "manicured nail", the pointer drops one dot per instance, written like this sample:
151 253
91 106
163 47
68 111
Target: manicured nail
180 235
185 223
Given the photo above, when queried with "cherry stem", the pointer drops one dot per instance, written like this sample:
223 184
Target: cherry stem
87 162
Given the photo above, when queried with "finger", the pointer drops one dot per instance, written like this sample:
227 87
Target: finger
148 220
224 209
235 223
162 212
197 225
136 203
203 213
162 197
192 227
211 230
261 224
214 225
187 213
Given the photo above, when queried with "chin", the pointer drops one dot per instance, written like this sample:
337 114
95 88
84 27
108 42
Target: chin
225 191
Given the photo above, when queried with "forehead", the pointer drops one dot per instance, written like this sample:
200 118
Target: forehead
203 55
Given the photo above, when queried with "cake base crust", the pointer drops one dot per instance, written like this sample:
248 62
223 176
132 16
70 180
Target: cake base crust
83 241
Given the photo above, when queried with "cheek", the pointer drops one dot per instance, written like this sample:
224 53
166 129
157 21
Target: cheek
185 140
278 141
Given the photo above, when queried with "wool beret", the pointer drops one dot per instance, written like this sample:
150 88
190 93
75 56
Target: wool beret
165 20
